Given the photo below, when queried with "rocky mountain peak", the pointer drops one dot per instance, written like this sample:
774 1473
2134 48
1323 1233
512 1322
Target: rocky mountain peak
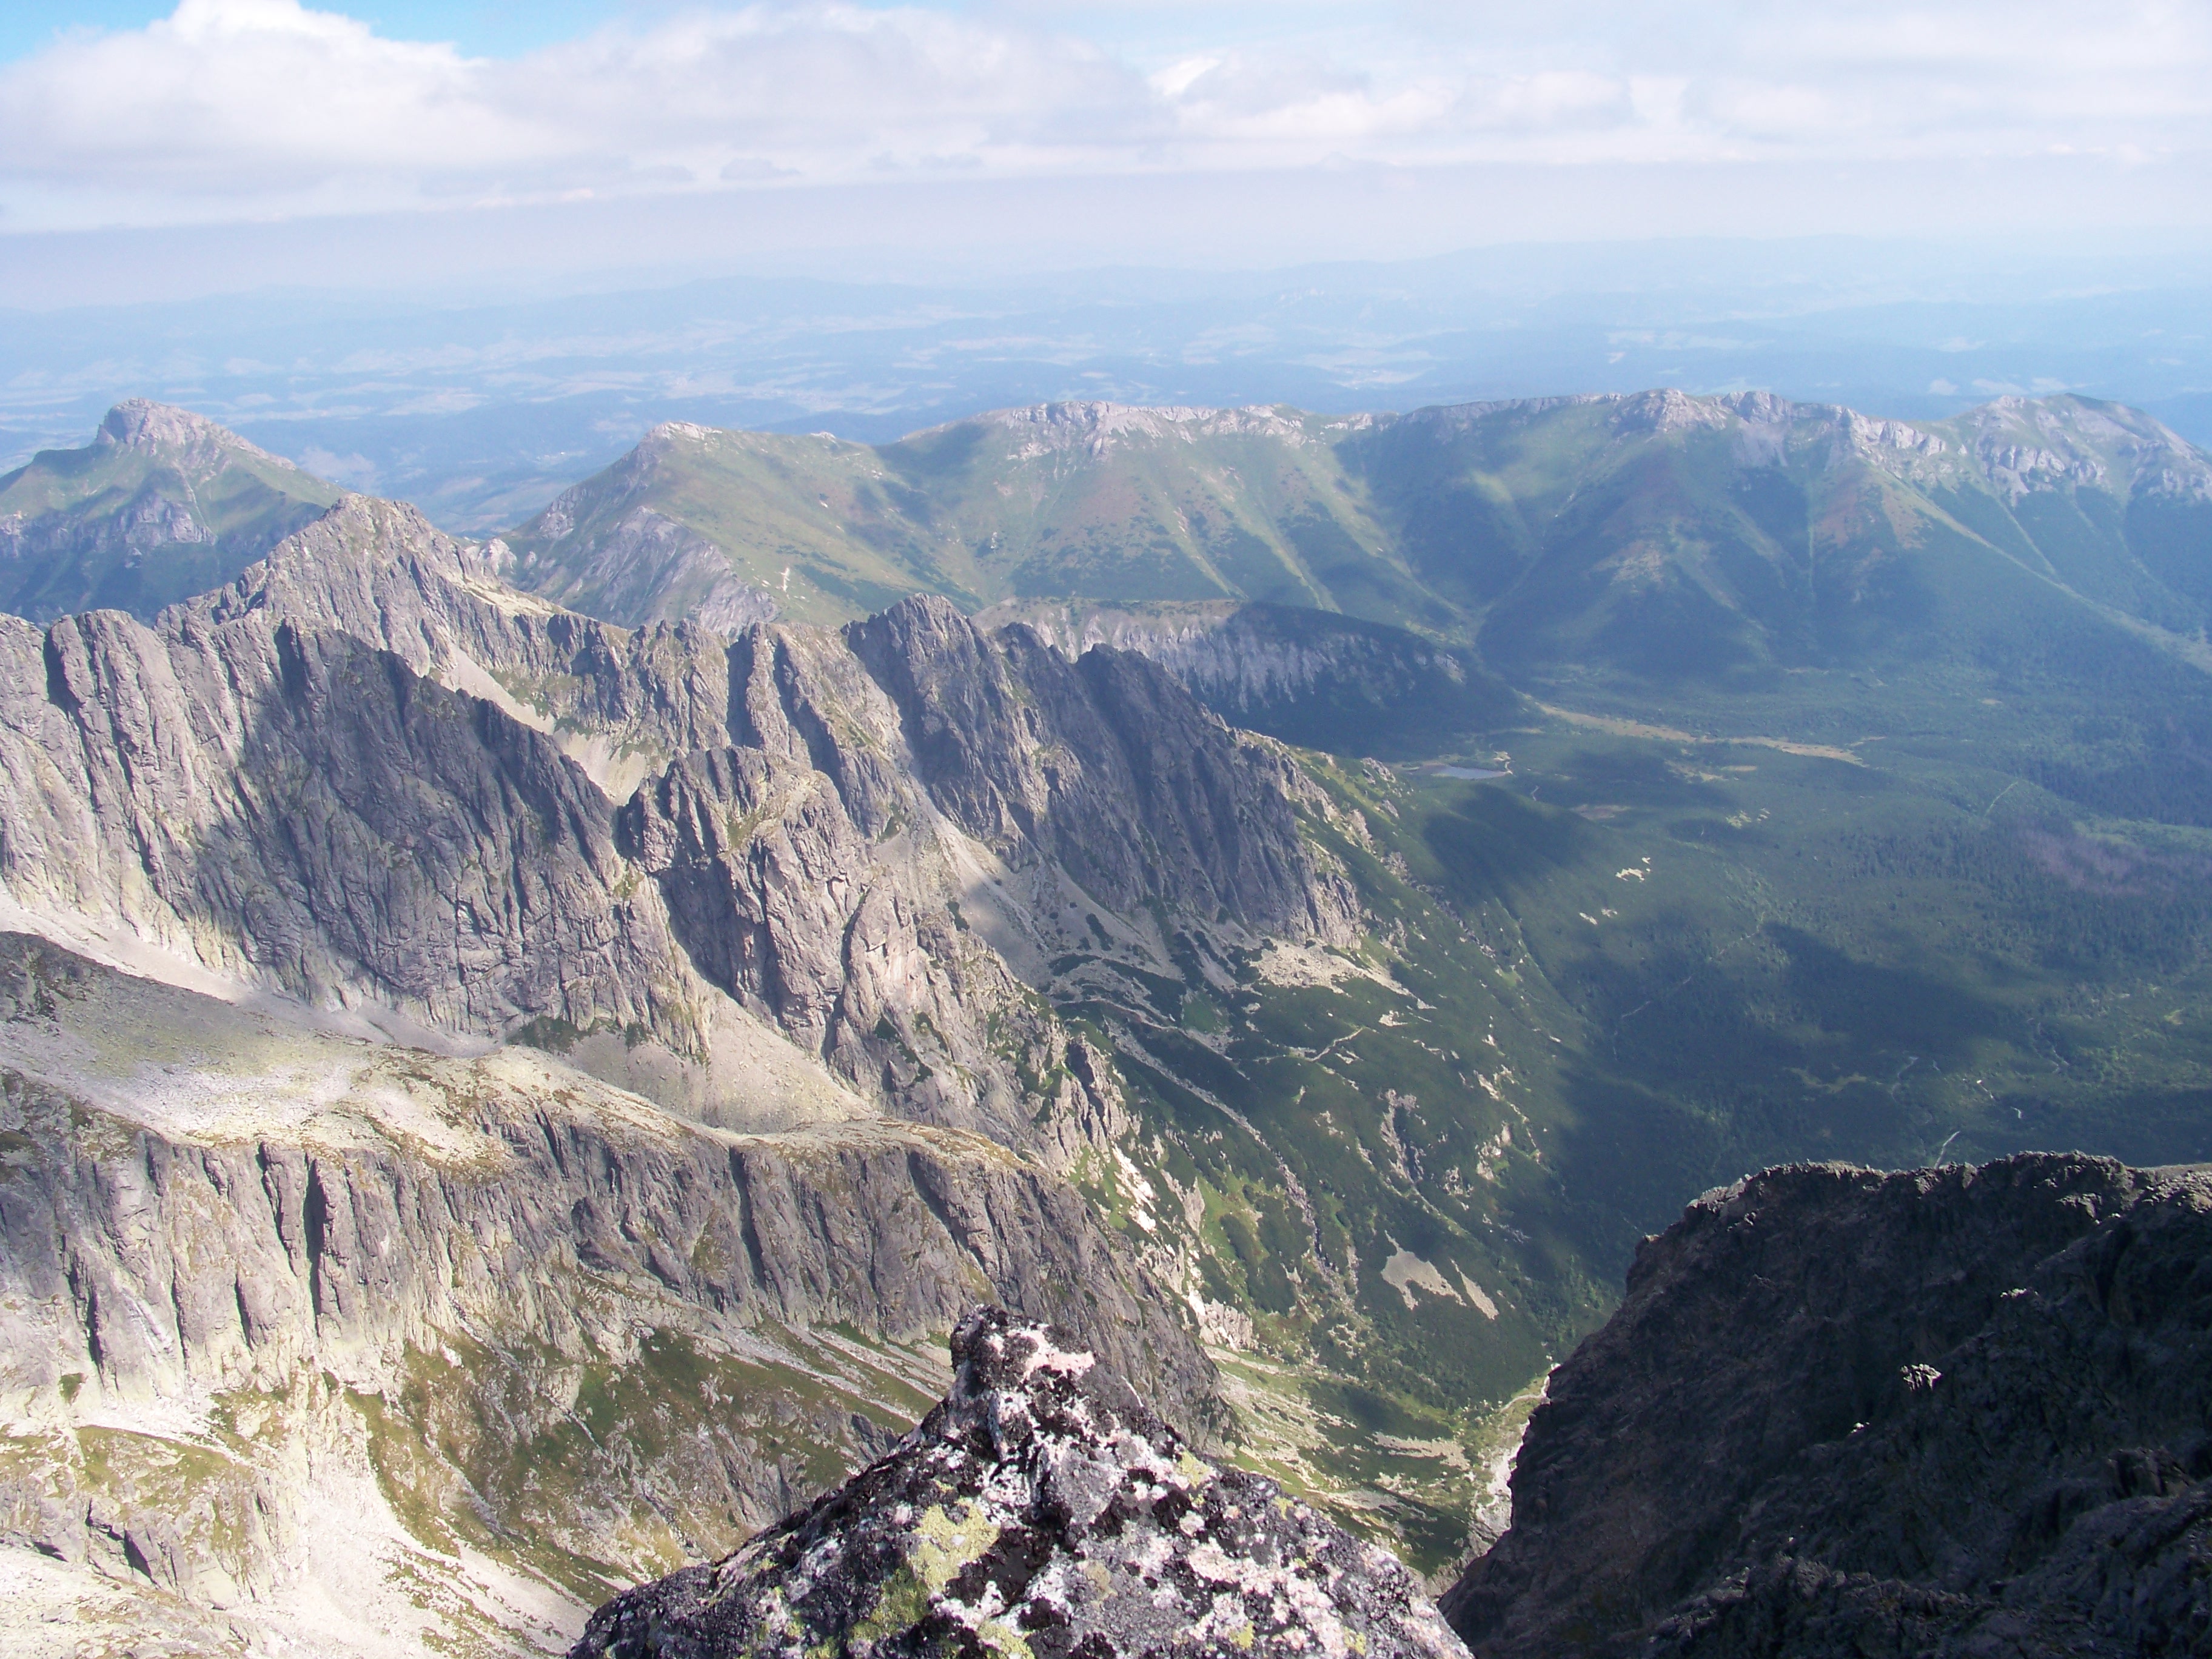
141 423
332 572
1040 1510
2068 440
1667 409
1096 428
163 504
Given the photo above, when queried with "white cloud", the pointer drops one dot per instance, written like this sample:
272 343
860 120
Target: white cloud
234 108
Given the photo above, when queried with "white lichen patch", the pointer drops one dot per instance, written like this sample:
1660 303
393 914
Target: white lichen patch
1045 1357
1042 1496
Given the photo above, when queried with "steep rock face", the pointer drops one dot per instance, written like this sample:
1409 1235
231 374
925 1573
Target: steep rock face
470 1290
620 703
1104 766
298 809
1958 1411
1039 1510
648 564
780 899
1311 677
551 1319
368 773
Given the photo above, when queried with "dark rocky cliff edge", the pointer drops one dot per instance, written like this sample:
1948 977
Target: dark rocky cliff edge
1960 1411
1039 1510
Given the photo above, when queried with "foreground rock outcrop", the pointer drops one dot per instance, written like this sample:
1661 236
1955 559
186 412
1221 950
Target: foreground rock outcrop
1949 1411
1039 1510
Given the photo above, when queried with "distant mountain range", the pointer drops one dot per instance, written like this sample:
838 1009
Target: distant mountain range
1766 525
1655 544
1656 537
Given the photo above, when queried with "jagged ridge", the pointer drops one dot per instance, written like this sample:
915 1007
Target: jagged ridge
370 773
534 1316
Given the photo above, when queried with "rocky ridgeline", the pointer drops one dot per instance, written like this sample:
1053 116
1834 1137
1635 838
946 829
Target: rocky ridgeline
1311 677
371 773
1039 1510
793 890
1952 1412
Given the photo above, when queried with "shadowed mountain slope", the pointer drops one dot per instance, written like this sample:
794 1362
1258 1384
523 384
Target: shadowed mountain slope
1953 1411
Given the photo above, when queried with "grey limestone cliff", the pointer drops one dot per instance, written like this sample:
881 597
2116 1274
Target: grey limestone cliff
1950 1411
488 1307
1105 766
368 774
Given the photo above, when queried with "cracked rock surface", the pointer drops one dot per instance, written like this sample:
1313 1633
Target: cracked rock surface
1039 1510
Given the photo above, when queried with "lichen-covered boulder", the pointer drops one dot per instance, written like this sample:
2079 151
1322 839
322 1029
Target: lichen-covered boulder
1039 1511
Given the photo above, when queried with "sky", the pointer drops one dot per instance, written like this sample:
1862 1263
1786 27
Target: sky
567 135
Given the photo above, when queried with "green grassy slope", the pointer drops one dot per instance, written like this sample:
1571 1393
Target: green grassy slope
1639 965
160 506
1641 544
1072 500
1653 543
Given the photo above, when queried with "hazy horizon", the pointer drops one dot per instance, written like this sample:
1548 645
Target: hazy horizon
481 405
466 251
942 139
